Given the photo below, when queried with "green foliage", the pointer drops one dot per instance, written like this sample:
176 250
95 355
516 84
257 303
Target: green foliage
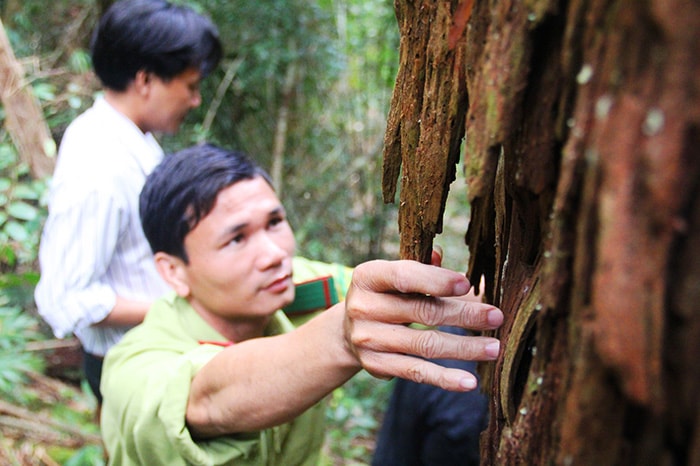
68 407
262 40
92 455
21 210
17 328
352 416
345 56
37 26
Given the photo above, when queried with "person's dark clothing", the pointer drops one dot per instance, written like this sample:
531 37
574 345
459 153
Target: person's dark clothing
428 426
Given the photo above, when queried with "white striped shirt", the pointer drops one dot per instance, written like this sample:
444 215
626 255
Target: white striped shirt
93 248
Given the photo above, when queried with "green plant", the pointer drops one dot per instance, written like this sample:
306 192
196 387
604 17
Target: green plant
16 330
21 210
92 455
353 416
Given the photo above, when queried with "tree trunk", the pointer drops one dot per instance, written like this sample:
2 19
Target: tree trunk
23 116
279 145
426 119
583 174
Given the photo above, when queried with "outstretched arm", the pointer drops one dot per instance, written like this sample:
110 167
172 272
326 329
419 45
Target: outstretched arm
267 381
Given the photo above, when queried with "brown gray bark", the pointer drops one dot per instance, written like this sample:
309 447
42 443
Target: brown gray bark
583 173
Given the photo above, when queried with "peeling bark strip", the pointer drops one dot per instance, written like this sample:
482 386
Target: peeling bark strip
583 171
426 121
461 17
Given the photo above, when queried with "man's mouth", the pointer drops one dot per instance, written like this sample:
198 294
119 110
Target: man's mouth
279 285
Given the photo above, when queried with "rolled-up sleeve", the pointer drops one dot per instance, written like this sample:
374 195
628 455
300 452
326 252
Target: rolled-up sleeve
78 241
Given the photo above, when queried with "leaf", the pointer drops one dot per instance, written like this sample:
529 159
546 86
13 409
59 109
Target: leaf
16 231
45 91
7 157
17 327
91 454
24 191
50 147
5 184
75 102
7 255
22 211
13 367
79 61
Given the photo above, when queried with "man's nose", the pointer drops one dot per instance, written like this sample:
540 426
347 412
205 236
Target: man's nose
271 252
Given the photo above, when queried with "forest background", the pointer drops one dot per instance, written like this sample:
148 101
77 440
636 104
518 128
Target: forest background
305 88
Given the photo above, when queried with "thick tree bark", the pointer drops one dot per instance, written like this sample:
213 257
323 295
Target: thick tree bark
23 116
426 120
583 174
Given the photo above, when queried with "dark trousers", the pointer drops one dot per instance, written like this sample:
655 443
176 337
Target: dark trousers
92 366
428 426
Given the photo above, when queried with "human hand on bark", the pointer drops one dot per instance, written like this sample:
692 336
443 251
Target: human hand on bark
385 296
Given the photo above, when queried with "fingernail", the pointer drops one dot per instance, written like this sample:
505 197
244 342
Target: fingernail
492 349
461 288
495 317
467 383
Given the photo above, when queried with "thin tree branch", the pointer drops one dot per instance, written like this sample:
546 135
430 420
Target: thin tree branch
219 96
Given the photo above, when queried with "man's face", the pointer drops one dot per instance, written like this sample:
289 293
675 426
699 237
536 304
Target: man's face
241 255
169 102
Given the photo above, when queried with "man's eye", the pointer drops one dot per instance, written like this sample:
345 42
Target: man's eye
276 221
237 238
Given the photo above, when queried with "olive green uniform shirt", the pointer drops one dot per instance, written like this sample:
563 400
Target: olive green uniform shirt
146 384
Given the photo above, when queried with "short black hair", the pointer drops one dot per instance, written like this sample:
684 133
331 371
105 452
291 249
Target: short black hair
155 36
182 190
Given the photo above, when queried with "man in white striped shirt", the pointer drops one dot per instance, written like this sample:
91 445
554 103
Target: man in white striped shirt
98 278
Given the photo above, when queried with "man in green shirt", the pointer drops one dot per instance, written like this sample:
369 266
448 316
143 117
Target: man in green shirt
217 374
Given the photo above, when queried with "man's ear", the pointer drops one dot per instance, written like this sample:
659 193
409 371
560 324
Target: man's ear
142 82
172 269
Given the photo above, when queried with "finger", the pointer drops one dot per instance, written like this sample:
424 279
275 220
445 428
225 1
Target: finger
436 257
430 344
426 310
408 277
386 365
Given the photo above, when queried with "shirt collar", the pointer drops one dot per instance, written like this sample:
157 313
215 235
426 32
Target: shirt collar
147 152
201 331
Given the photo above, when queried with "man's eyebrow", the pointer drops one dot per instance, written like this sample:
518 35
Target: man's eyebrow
233 229
279 210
